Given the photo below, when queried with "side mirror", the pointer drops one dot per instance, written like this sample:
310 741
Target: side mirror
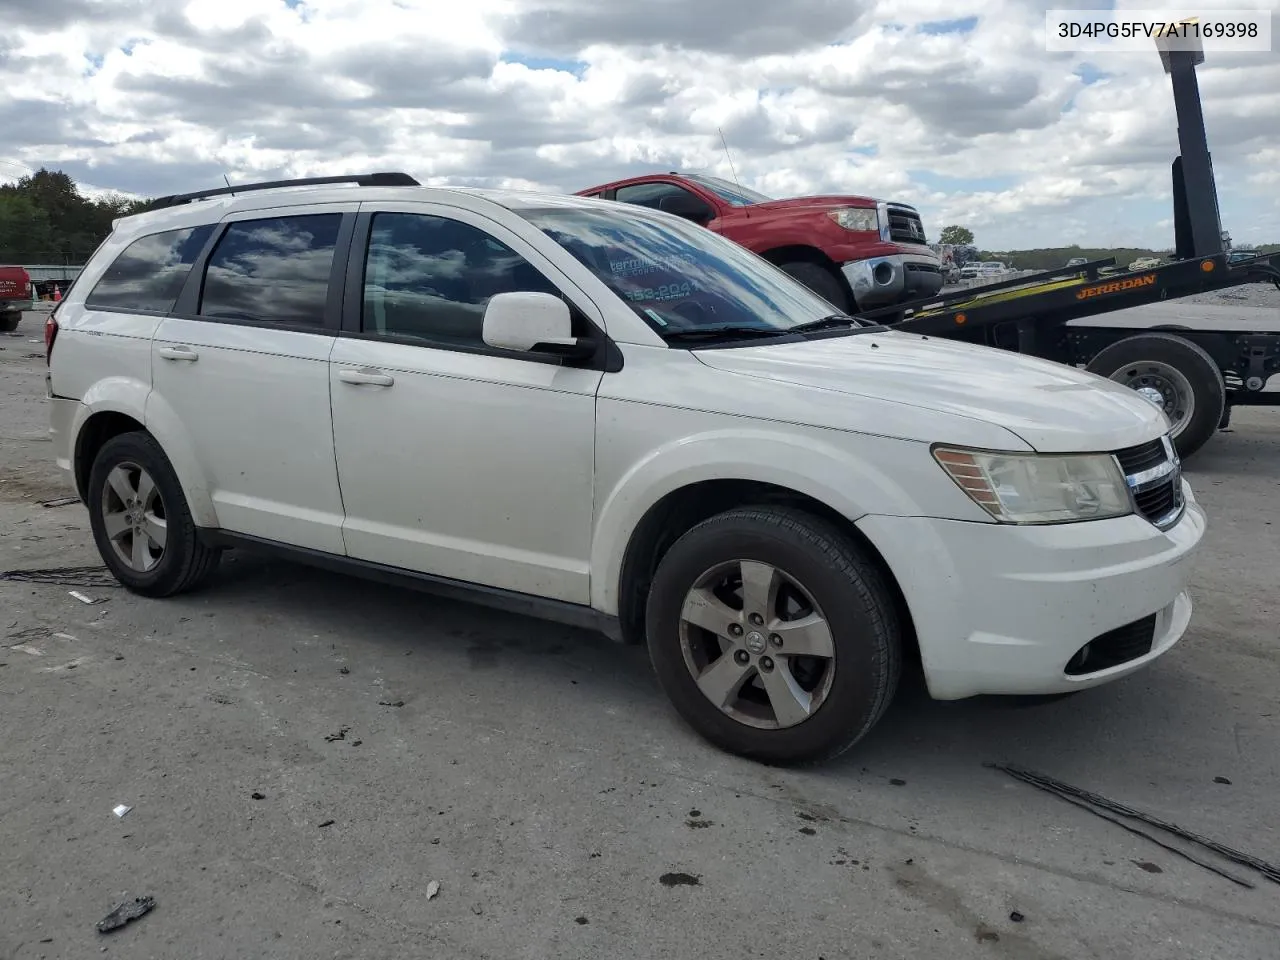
686 205
533 323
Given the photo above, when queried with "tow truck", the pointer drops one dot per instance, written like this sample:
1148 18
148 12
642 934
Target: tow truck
1195 361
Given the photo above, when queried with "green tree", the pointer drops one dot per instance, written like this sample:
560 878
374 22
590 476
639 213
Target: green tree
26 235
44 218
956 235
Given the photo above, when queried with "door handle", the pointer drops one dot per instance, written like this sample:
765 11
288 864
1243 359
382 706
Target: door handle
178 353
366 376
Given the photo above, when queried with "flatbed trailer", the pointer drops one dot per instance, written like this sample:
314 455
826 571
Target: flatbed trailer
1196 374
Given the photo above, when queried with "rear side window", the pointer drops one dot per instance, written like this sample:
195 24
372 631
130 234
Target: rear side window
148 274
273 270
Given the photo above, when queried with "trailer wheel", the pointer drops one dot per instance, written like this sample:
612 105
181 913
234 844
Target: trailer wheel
9 322
1176 375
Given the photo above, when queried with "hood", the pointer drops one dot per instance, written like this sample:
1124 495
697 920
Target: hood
821 202
1053 407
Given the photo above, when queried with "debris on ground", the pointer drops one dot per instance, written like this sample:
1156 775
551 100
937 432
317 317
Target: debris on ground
127 912
895 782
87 577
581 921
1095 804
258 795
340 735
1016 917
433 888
345 670
680 880
60 502
83 598
391 703
327 823
120 810
1221 780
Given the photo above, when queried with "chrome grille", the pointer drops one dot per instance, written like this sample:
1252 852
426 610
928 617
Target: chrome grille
905 225
1153 474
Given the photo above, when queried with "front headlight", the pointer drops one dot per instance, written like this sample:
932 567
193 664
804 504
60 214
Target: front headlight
1039 488
856 218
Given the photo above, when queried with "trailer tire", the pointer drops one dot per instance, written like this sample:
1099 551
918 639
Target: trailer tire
9 322
1180 371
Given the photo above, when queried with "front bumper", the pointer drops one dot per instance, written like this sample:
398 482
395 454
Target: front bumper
1000 609
883 281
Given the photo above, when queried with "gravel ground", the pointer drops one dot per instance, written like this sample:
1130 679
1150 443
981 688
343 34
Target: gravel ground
304 754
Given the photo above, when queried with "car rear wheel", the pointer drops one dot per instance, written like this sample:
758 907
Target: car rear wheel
773 635
140 519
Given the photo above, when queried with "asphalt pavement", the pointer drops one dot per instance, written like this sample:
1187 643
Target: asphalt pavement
304 754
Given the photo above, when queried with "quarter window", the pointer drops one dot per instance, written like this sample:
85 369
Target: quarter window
430 278
148 274
273 270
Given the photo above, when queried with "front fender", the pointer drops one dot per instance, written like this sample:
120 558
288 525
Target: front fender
806 462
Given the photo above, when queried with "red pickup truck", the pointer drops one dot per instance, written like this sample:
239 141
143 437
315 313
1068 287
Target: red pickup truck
856 252
15 296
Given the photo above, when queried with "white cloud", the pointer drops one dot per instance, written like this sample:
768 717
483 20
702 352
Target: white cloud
954 105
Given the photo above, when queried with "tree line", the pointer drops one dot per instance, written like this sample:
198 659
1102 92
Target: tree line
45 219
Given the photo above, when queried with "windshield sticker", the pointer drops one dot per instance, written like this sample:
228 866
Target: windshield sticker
636 267
653 315
668 291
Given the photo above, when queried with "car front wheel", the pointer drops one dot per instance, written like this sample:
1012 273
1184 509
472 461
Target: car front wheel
774 636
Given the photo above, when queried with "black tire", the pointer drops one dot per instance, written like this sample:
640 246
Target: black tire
9 322
854 599
1123 359
821 281
185 562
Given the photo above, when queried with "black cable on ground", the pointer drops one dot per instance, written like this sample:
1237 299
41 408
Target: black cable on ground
1067 792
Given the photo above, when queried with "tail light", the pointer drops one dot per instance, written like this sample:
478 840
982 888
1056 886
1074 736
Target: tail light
50 334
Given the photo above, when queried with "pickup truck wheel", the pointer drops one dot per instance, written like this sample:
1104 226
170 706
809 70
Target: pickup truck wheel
821 281
140 519
773 635
1176 375
9 322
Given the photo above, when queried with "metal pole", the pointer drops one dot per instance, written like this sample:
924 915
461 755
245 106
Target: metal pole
1197 221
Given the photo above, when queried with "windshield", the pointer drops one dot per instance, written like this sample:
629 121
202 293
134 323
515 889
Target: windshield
730 193
677 276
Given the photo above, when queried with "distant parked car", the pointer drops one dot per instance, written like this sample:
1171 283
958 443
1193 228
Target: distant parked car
1145 263
1077 262
1235 256
15 296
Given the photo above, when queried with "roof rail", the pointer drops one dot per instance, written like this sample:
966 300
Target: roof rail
390 179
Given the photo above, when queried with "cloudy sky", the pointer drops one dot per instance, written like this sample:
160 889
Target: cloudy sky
954 105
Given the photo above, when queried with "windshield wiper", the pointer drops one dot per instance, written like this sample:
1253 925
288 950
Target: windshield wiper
727 331
830 322
833 322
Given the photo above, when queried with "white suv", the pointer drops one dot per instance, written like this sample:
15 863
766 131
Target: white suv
610 416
